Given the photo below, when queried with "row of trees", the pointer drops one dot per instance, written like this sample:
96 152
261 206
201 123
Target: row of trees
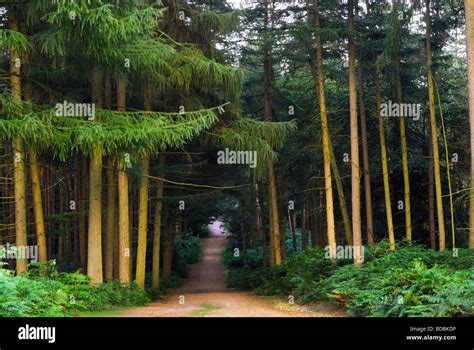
372 51
90 172
332 66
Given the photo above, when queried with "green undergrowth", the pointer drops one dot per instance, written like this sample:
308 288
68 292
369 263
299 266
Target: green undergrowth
411 281
61 294
54 294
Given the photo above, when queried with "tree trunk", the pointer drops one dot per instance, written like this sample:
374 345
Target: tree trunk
94 257
243 236
403 139
168 249
276 247
365 158
19 174
355 168
38 207
255 222
431 195
107 92
383 149
110 232
434 132
272 192
124 228
155 276
331 230
469 9
291 224
142 224
20 202
94 253
342 198
125 244
82 216
260 230
304 233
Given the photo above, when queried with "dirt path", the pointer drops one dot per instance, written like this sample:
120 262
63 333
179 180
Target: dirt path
204 293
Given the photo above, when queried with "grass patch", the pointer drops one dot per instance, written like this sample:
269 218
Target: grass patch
205 310
101 313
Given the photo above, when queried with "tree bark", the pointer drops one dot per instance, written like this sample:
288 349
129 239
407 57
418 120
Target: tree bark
155 276
38 207
365 159
403 139
94 257
331 230
434 132
82 216
469 9
142 224
19 173
384 159
431 195
124 228
291 224
355 168
342 198
110 232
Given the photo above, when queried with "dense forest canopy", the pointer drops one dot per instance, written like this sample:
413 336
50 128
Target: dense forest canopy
127 126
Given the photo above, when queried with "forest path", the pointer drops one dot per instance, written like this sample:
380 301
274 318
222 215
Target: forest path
204 293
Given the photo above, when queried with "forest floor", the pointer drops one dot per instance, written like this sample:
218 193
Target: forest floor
204 294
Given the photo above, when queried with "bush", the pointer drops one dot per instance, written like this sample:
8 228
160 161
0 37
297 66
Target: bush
61 295
185 252
413 290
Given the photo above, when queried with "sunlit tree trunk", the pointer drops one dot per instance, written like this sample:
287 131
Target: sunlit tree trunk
94 258
19 174
355 168
110 232
365 158
94 241
36 194
124 228
403 139
20 201
434 132
331 231
125 249
431 195
384 159
275 247
342 198
38 207
111 220
469 9
142 224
